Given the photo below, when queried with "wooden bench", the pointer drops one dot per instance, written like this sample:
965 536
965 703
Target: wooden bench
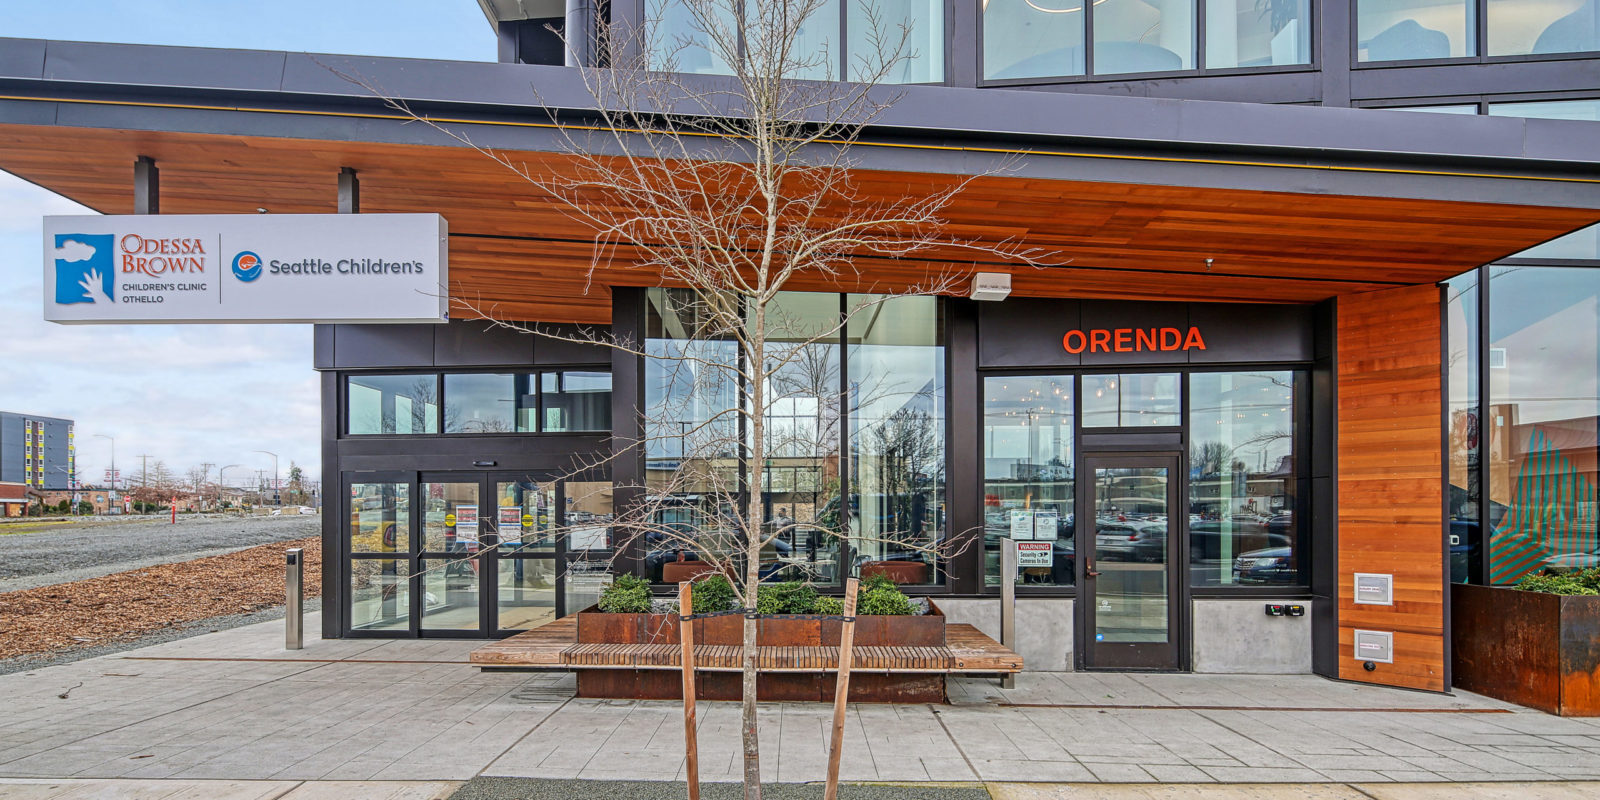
555 647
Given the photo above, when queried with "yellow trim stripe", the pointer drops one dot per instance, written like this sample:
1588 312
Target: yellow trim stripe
948 148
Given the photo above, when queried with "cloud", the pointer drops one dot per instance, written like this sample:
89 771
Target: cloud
74 250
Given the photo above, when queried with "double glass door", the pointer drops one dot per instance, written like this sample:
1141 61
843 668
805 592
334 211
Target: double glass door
1126 605
448 554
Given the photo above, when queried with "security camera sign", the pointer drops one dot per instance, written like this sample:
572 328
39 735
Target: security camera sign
1033 554
246 268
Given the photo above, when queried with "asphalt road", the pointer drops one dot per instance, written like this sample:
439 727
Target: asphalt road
49 553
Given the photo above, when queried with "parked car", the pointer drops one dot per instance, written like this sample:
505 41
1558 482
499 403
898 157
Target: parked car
1274 565
1129 541
1282 523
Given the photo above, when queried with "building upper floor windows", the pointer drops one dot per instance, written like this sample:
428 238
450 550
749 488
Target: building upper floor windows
1409 30
555 401
901 39
1025 39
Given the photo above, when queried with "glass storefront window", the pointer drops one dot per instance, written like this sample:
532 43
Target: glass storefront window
575 401
380 594
378 404
800 480
480 403
1404 30
1523 27
896 400
1032 39
1242 480
1540 422
1154 36
1252 33
588 516
1462 421
1131 401
526 593
380 518
681 42
1028 479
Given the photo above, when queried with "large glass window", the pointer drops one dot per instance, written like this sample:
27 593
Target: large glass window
1586 110
480 403
1583 244
685 38
1402 30
575 401
1028 476
1463 423
1143 36
380 594
379 404
1540 422
1242 481
1132 400
1032 39
1521 27
896 400
1257 33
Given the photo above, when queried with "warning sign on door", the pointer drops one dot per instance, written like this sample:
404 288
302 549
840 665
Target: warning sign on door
1033 554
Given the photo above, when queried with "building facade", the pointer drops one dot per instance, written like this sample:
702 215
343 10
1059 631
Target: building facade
1304 364
39 452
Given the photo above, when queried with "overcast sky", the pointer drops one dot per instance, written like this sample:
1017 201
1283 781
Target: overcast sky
188 394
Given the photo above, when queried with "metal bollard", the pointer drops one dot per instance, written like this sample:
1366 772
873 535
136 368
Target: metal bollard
294 588
1008 604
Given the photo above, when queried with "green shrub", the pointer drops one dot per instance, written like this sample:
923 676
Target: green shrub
1575 583
791 597
878 581
712 594
884 601
628 594
832 606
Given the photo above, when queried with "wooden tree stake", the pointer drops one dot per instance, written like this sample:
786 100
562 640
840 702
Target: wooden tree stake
690 741
841 691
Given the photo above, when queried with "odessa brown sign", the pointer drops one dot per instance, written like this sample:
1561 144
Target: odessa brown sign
1132 340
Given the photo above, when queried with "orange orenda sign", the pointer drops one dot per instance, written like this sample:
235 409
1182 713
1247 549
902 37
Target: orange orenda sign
1131 340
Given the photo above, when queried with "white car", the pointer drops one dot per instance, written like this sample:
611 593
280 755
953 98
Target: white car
307 510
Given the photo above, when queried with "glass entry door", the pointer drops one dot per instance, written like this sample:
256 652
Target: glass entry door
472 554
1127 607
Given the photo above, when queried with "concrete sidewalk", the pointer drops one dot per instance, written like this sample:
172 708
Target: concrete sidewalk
235 706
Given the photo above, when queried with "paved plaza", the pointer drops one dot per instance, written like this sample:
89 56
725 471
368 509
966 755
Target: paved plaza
234 706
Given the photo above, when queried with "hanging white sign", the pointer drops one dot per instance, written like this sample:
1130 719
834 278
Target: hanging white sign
246 268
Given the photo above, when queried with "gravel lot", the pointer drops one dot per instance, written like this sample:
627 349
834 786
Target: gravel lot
51 553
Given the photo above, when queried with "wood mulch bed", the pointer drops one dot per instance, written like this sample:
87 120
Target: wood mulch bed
127 605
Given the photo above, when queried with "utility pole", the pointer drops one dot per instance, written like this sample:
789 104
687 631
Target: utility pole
144 470
205 471
277 500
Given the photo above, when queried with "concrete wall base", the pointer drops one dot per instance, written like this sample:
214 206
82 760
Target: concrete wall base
1044 627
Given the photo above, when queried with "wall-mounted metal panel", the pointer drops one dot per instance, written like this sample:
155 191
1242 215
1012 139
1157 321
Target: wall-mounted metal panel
1009 333
481 344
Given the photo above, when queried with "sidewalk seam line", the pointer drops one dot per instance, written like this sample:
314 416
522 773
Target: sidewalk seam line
536 726
957 745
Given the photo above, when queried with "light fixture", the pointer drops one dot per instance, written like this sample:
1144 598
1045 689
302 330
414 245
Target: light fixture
990 286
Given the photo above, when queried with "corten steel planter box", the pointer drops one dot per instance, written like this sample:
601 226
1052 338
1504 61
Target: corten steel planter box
595 627
1533 649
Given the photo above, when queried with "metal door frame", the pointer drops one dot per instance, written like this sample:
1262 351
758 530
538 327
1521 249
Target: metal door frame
1170 656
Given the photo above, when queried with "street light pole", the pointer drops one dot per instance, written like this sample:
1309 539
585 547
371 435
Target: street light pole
276 492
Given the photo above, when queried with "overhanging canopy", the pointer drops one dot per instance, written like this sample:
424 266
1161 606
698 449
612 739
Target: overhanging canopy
1132 217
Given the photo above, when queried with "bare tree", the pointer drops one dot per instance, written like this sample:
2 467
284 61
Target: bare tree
734 189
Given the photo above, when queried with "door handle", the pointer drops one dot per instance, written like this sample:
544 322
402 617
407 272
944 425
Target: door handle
1089 570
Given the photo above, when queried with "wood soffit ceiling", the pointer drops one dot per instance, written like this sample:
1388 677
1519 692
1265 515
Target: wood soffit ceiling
512 248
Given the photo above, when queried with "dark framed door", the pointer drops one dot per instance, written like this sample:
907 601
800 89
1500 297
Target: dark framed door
524 577
1128 609
454 575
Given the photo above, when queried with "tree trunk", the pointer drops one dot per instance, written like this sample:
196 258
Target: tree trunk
753 533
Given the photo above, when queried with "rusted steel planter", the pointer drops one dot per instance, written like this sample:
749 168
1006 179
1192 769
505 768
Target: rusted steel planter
595 627
1533 649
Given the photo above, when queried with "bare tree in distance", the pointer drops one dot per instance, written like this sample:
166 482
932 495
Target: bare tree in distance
735 190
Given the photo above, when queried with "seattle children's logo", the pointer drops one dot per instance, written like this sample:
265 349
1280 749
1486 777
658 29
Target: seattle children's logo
246 266
83 268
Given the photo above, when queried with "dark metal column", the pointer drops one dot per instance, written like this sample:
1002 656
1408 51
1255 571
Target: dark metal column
349 191
146 186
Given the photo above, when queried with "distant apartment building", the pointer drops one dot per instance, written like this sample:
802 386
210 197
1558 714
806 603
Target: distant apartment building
37 451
